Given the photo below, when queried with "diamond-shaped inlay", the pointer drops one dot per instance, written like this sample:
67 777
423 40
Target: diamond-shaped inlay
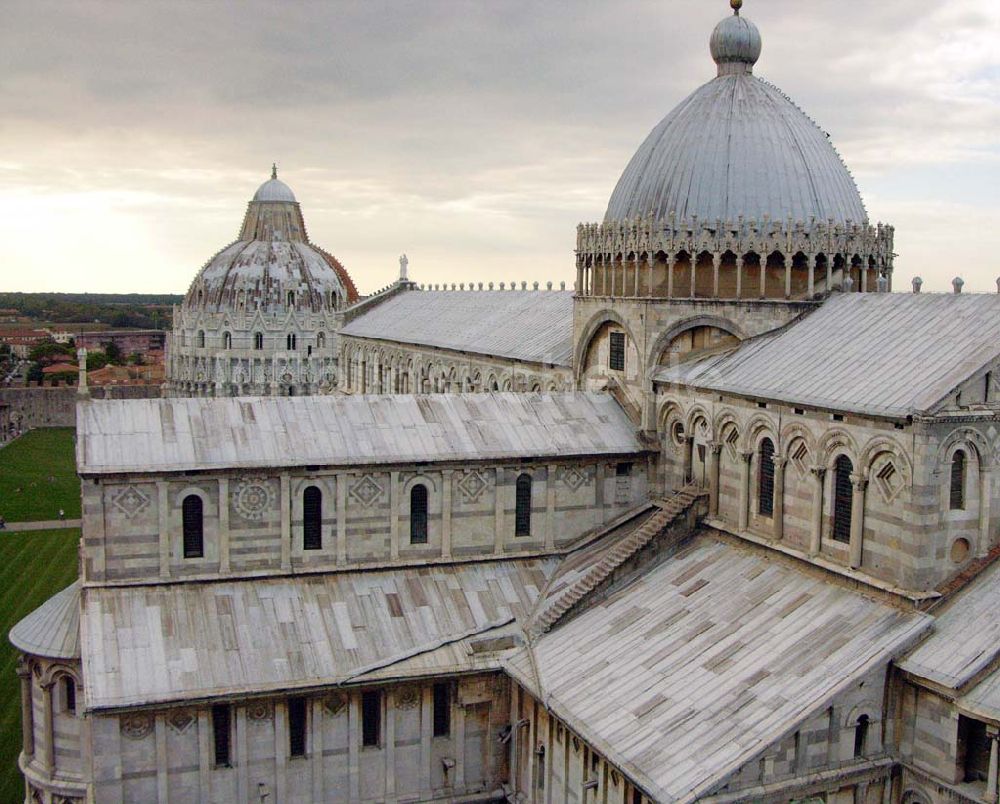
366 491
472 485
180 721
131 501
574 478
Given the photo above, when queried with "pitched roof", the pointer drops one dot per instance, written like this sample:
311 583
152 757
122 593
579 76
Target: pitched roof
688 673
174 642
533 326
966 638
53 629
149 435
880 354
983 700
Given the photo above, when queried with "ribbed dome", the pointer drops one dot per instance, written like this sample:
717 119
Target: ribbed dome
737 147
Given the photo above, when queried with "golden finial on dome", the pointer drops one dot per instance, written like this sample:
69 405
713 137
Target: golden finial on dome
736 5
274 165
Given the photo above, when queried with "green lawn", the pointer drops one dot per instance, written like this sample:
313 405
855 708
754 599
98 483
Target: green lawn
42 464
33 567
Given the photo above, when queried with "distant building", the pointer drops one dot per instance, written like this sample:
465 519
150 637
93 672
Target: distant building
128 341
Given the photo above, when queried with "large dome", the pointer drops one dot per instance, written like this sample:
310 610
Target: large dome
737 147
272 267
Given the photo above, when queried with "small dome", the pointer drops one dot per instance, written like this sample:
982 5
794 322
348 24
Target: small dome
735 41
274 189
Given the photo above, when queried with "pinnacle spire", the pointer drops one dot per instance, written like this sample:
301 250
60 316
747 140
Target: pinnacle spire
274 170
736 6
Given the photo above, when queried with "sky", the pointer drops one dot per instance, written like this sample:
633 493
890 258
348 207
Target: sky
471 134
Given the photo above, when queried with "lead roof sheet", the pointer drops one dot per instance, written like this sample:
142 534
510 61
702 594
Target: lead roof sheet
152 435
530 326
881 354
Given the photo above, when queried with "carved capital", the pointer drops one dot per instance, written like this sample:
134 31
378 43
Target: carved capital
747 455
819 472
716 448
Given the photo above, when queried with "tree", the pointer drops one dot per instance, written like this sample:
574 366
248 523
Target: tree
48 351
113 352
95 361
35 373
136 359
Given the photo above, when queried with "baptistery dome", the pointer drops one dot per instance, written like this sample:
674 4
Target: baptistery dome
260 317
737 146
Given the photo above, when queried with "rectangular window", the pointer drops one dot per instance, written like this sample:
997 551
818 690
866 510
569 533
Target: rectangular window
69 686
623 470
442 710
616 359
297 727
221 727
988 381
371 718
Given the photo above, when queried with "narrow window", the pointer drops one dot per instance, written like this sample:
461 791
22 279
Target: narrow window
312 519
843 499
418 514
987 382
861 736
973 749
541 767
291 298
616 356
201 338
522 506
297 727
290 340
958 481
227 340
192 520
221 733
258 340
69 694
321 340
371 718
636 796
765 478
442 710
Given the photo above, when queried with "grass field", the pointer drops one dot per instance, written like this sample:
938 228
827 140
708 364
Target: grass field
33 567
41 463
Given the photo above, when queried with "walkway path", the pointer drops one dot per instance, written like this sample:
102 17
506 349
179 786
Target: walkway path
51 524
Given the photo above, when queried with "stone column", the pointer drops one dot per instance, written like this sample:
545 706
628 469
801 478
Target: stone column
223 525
650 263
604 278
713 480
27 714
744 520
829 271
716 263
579 278
788 275
763 276
812 275
671 262
446 478
636 286
687 460
47 749
778 514
985 488
694 275
816 534
859 482
285 498
739 276
991 777
863 269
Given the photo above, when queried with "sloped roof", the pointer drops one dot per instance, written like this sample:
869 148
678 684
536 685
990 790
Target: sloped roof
966 638
174 642
983 700
534 326
881 354
53 629
688 673
152 435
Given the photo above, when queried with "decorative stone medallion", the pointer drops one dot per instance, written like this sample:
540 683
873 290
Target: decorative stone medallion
574 478
260 711
408 698
136 727
253 497
335 704
366 491
888 481
180 721
131 501
472 485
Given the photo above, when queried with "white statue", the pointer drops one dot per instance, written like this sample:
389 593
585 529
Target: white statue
403 265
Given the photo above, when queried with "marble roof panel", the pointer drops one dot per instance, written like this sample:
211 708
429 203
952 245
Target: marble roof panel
879 354
53 629
534 326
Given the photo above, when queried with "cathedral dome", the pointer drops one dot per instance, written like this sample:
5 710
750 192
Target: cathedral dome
736 147
272 267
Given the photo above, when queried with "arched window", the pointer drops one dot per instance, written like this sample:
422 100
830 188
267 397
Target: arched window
258 340
861 736
291 340
522 506
312 519
765 478
958 464
201 338
291 298
69 695
192 519
227 340
321 340
843 499
418 514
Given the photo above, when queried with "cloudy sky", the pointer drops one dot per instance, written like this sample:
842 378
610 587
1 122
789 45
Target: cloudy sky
472 134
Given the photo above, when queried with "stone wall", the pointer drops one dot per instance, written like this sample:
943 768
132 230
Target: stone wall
56 407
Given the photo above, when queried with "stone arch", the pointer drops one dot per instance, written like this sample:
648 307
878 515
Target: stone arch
884 445
427 480
965 436
52 672
725 417
590 330
793 432
834 443
756 429
697 412
665 338
912 796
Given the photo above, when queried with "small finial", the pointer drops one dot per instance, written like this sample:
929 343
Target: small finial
736 5
274 170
